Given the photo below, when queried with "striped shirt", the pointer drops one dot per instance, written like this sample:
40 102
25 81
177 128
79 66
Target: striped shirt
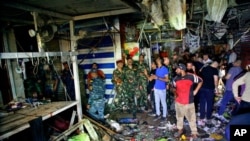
184 88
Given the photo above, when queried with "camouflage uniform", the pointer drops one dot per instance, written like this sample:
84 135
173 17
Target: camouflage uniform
96 98
118 81
142 82
131 88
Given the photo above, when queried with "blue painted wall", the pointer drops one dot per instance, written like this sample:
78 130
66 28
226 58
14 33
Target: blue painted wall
104 56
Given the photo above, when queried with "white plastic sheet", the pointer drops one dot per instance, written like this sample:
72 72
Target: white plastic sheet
216 10
176 10
156 14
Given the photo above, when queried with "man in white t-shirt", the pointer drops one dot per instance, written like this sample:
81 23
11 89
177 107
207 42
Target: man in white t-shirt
232 57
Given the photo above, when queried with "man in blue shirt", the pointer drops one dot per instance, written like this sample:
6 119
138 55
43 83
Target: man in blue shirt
161 78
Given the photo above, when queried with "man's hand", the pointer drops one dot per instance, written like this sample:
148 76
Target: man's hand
140 87
154 76
88 106
118 81
174 92
216 91
195 92
238 99
90 88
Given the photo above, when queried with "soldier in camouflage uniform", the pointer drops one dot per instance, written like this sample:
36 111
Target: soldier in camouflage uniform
131 86
117 80
142 72
96 101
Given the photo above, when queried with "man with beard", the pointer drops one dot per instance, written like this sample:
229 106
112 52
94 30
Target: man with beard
184 101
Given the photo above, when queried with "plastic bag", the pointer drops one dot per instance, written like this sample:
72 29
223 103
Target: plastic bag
80 137
221 87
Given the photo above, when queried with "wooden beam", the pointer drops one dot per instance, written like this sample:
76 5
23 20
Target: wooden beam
16 20
34 9
131 4
104 14
99 125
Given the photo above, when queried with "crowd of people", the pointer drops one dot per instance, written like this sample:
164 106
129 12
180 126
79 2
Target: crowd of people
189 81
192 79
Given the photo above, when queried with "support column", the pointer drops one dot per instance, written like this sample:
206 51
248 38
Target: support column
10 71
117 43
75 71
40 45
16 80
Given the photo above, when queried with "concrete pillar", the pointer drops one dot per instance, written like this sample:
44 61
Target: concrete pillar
117 43
16 79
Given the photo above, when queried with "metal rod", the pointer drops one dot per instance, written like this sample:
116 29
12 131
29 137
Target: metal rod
12 55
241 36
102 14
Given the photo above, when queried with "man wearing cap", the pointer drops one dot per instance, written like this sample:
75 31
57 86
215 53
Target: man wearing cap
142 71
184 101
118 81
131 85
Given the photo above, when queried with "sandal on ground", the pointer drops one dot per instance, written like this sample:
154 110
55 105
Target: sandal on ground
178 134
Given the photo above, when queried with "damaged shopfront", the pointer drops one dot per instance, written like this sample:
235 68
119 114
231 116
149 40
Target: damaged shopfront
59 59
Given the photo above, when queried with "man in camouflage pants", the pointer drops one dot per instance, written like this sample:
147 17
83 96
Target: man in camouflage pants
118 81
142 72
131 86
96 101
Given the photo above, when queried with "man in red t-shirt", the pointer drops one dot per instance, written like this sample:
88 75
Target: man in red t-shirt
184 102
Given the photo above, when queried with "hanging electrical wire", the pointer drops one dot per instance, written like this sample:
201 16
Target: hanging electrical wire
92 48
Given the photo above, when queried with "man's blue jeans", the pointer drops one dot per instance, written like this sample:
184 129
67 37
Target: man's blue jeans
228 96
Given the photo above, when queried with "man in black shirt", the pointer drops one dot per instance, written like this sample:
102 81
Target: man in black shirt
209 74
